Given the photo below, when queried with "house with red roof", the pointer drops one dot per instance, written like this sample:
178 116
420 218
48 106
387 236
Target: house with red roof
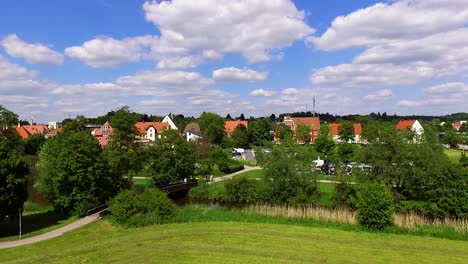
230 126
150 131
313 123
410 125
335 131
53 133
103 133
25 131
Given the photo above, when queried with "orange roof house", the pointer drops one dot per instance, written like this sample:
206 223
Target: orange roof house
26 131
230 126
103 133
313 123
335 131
149 131
412 125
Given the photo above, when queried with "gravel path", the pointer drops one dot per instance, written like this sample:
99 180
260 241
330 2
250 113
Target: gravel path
229 176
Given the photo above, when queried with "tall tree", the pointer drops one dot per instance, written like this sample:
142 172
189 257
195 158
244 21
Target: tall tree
324 143
260 131
284 132
7 118
212 126
33 144
346 131
13 170
240 136
241 117
228 117
303 133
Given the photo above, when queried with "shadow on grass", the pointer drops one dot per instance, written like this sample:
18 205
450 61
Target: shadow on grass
30 223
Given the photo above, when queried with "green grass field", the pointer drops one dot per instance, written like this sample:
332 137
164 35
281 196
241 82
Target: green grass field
454 155
234 242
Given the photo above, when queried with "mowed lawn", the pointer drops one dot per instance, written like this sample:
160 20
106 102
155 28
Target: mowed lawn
234 242
453 154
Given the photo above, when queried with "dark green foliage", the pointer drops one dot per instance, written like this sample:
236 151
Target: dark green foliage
75 125
13 171
303 134
346 152
33 144
7 118
344 192
284 132
212 127
171 159
451 138
464 160
140 209
220 158
346 131
374 204
245 191
240 137
324 143
260 131
73 175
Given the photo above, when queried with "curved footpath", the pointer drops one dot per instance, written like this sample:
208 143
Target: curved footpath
54 233
229 176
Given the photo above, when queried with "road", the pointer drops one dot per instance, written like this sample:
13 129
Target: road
55 233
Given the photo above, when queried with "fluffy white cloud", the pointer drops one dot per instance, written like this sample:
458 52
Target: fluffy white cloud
251 28
379 95
236 74
262 92
33 53
184 62
104 52
386 22
349 75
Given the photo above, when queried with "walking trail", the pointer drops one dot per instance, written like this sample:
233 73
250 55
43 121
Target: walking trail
229 176
55 233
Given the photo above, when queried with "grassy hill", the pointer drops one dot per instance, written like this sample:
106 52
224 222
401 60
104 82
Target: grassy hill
235 242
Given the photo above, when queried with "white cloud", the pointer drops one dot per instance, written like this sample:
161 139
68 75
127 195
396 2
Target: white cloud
410 103
184 62
251 28
290 91
349 75
105 52
379 95
386 22
236 74
262 92
33 53
448 88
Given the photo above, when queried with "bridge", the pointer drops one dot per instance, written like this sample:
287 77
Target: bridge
177 189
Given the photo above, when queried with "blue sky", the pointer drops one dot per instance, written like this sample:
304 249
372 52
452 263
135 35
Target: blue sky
61 58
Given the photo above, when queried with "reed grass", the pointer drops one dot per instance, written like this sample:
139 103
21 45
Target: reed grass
409 221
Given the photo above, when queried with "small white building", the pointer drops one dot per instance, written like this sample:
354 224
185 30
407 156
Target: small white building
192 132
412 125
54 125
171 123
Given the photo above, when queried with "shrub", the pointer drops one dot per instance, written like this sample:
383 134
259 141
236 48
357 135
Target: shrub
150 207
234 166
374 206
342 196
244 190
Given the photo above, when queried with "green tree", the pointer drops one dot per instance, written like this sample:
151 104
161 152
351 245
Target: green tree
260 131
464 159
374 206
220 158
346 152
7 118
124 130
284 132
212 126
346 131
73 175
33 144
303 134
451 138
13 170
464 128
171 159
324 143
240 136
76 125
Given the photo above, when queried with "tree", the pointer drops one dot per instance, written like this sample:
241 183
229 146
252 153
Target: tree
75 125
171 159
346 152
240 136
228 117
303 134
374 206
212 126
272 117
33 144
346 131
260 131
324 143
464 159
73 175
464 128
451 137
7 118
284 132
13 171
241 117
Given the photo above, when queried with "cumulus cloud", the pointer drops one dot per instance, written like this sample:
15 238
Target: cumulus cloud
251 28
35 53
236 74
379 95
262 92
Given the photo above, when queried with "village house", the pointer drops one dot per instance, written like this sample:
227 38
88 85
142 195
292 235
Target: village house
25 131
411 125
102 134
335 131
150 131
230 126
458 125
52 133
313 123
192 132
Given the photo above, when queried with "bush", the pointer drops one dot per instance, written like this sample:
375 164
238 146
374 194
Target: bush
244 190
150 207
342 196
234 166
374 206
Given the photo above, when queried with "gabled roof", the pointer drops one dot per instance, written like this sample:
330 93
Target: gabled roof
142 127
230 126
404 124
193 128
99 132
312 122
27 130
335 129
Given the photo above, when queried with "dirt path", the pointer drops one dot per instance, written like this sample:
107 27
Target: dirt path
55 233
229 176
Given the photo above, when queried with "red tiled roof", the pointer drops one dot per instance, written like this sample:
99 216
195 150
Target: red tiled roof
456 125
230 126
23 133
312 122
54 132
335 129
27 130
403 124
99 132
142 127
